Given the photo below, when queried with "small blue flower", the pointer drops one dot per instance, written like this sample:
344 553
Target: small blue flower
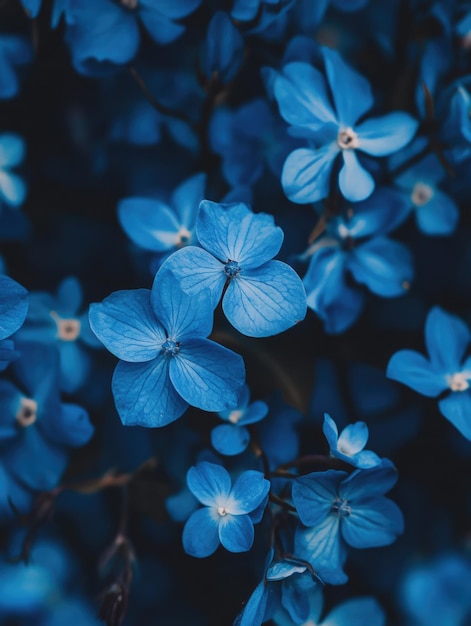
340 510
12 153
446 338
334 129
226 518
261 297
166 361
233 438
15 51
164 227
349 445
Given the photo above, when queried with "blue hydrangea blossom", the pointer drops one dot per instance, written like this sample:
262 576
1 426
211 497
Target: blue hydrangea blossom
334 129
447 369
167 362
261 297
339 510
226 516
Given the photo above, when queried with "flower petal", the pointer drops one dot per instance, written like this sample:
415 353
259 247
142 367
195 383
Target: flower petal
354 181
200 534
229 439
373 523
365 483
187 197
144 394
353 438
209 482
236 532
387 134
306 173
447 338
126 324
414 370
356 612
457 409
439 216
265 301
207 375
314 494
149 223
248 492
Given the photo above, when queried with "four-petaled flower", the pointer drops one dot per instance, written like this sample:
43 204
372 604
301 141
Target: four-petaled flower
348 446
229 513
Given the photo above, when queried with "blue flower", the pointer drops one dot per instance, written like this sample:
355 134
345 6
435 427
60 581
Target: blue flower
226 518
333 130
163 227
36 428
261 297
355 245
14 51
56 320
233 438
13 309
12 153
223 51
446 338
108 32
340 510
166 361
349 445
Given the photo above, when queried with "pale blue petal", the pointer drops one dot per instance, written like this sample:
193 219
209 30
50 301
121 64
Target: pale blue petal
150 224
200 534
301 93
387 134
351 92
234 232
354 181
265 301
330 431
182 315
229 439
12 188
144 395
365 459
447 338
356 612
197 270
314 494
457 409
353 438
13 306
248 492
187 197
306 173
439 216
125 323
236 532
75 365
254 413
383 265
372 523
414 370
322 547
207 375
209 483
283 569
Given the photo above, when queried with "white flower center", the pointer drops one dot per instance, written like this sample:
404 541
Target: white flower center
222 511
347 139
421 194
458 381
27 412
235 415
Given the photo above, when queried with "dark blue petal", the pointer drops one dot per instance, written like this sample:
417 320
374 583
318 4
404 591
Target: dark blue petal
330 431
447 338
144 394
187 197
209 482
223 51
439 216
69 296
265 301
236 532
457 409
75 366
373 523
357 612
364 484
70 427
254 611
414 370
383 265
306 173
207 375
126 324
200 534
13 306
